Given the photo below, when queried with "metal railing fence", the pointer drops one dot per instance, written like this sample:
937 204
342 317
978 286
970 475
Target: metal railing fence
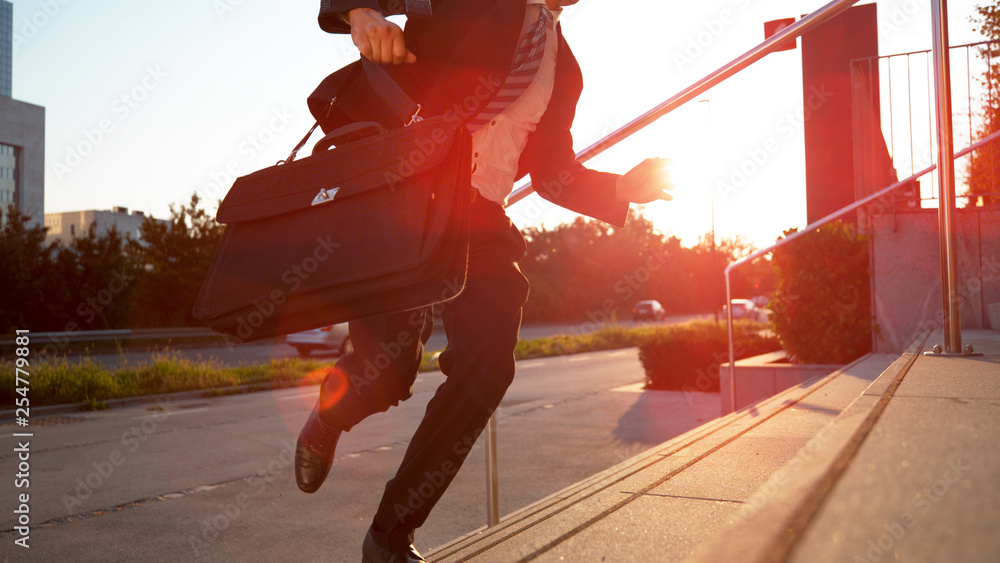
812 227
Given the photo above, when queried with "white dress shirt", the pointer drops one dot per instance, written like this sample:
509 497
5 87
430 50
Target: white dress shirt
497 146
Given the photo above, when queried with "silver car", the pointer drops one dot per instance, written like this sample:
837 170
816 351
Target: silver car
333 338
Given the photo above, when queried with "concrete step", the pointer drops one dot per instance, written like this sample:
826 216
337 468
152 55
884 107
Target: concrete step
909 472
664 504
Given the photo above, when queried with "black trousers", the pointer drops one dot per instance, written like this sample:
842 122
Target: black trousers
482 326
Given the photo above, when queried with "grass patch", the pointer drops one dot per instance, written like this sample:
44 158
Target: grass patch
57 381
608 337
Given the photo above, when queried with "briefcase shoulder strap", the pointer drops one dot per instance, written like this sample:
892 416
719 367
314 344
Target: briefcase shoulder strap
394 97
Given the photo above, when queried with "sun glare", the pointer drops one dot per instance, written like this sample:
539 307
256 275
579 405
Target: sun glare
689 214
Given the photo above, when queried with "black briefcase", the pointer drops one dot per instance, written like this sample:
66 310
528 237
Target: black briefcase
378 224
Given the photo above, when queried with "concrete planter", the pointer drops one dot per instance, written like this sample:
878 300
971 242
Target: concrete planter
763 376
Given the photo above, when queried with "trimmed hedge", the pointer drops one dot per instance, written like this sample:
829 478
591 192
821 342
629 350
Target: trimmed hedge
822 305
687 357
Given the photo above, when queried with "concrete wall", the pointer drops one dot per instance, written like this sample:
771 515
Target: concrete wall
907 272
764 376
23 125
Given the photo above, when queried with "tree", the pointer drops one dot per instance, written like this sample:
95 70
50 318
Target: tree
27 301
174 259
587 271
98 274
984 168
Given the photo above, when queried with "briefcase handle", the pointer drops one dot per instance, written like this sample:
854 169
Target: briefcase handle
348 133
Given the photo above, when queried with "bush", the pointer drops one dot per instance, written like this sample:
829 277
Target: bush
687 356
822 305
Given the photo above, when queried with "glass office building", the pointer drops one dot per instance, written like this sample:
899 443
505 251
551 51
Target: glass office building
6 48
22 136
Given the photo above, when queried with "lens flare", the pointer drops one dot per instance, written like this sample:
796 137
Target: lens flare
335 384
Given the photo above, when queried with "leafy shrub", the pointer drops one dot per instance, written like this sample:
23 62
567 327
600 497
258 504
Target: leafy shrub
822 305
688 356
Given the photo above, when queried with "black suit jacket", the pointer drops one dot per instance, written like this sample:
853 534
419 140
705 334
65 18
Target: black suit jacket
464 53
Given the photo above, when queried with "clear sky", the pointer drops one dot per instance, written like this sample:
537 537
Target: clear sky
148 102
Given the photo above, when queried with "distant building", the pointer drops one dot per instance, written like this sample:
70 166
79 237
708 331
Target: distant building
22 136
6 48
64 227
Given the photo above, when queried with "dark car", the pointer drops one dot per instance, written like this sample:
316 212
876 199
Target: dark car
648 310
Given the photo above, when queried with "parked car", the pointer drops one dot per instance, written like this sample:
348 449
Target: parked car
649 309
746 309
331 338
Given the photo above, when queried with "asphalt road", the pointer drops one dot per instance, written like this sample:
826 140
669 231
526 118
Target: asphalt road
211 479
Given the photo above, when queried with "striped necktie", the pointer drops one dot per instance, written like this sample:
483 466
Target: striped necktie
527 60
418 8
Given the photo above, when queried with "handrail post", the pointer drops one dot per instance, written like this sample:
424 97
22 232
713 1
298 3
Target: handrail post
951 306
492 473
732 340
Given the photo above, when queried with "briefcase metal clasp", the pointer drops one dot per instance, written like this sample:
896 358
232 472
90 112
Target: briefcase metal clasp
325 196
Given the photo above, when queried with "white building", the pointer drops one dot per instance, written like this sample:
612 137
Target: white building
64 227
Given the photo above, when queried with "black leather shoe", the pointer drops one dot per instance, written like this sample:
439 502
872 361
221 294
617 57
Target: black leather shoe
314 452
372 552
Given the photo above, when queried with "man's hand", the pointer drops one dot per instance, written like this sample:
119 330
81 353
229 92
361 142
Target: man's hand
378 39
647 182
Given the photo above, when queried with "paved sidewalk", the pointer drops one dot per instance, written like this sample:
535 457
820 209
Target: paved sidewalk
890 458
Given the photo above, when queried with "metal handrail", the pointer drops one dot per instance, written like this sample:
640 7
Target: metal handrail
701 86
812 227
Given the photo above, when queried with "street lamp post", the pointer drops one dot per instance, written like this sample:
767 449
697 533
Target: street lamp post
711 194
